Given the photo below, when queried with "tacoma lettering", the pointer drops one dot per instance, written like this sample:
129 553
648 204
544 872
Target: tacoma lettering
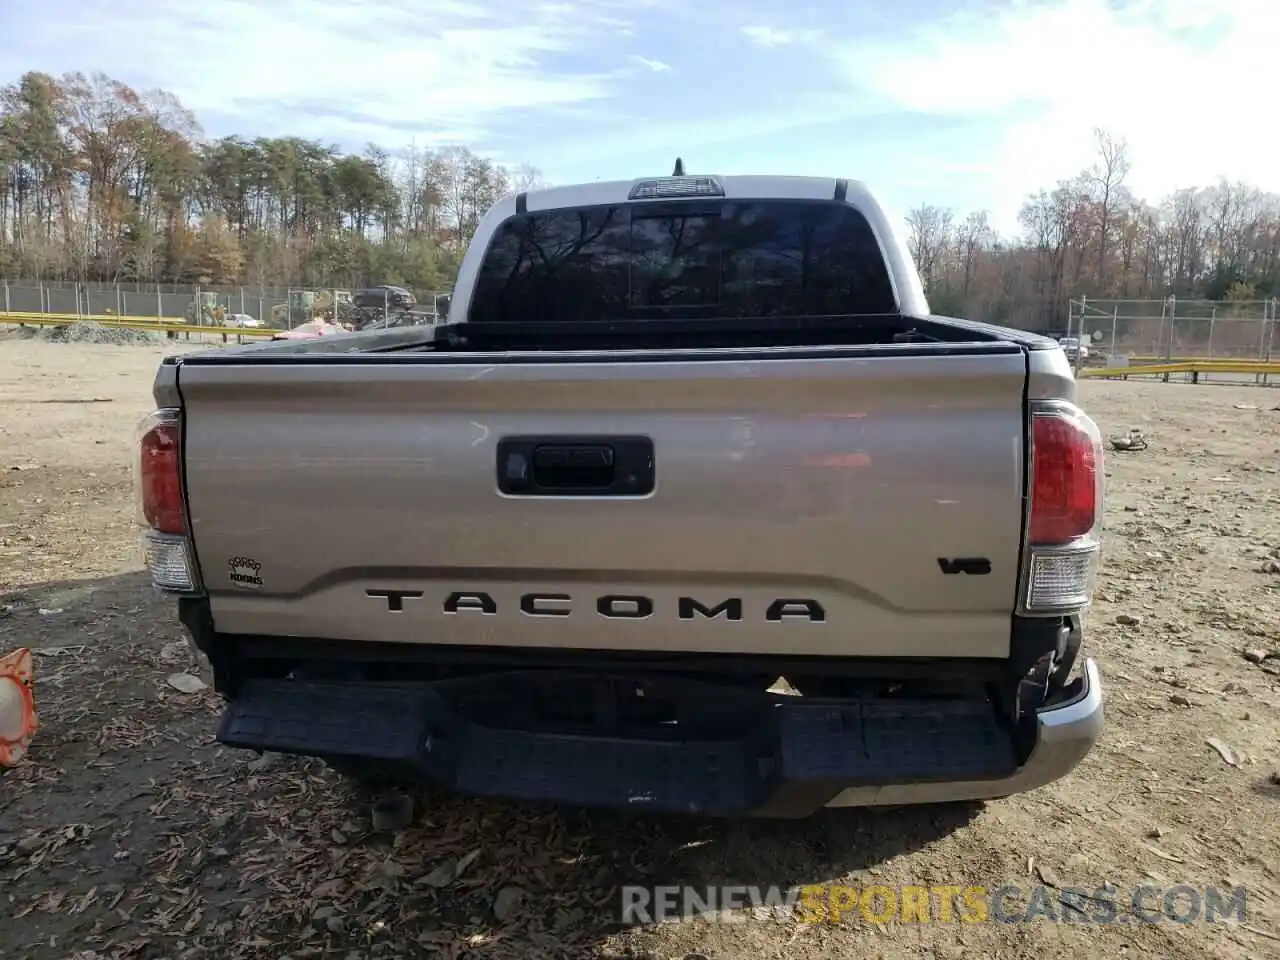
476 602
395 598
537 604
690 608
617 606
613 606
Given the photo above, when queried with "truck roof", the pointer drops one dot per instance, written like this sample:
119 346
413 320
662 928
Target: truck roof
738 187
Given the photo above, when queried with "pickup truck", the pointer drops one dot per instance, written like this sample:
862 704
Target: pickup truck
691 506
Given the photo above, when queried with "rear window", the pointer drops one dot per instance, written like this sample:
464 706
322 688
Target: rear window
724 259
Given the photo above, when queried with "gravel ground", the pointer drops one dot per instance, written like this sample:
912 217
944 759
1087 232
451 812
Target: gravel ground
129 833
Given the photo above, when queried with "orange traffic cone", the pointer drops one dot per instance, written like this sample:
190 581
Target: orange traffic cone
17 706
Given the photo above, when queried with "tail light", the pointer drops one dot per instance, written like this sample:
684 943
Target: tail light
1065 511
162 512
160 471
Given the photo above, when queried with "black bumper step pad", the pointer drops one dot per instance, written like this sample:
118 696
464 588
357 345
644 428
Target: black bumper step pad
819 746
325 719
896 742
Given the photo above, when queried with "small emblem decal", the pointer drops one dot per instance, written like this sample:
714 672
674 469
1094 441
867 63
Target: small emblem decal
244 572
973 566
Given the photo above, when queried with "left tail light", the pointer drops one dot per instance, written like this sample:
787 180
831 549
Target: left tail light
162 512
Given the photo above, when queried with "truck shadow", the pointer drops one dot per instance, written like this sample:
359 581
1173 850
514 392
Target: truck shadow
656 851
126 783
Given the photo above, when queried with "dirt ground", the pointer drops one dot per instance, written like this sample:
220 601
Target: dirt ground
128 832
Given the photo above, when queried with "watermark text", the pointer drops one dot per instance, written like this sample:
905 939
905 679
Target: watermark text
939 903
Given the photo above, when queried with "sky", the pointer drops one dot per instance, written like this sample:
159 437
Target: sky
970 104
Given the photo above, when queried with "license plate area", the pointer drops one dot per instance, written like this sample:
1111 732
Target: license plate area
661 709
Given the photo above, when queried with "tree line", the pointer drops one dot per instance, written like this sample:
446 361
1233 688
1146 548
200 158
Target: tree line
1090 236
102 182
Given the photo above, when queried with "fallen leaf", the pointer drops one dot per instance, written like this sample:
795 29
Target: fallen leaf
175 652
507 902
186 683
328 888
442 875
1225 752
1047 876
1162 855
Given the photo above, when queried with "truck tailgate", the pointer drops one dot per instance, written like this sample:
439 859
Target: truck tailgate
838 502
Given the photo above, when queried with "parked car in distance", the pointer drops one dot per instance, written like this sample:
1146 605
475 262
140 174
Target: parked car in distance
309 331
1074 349
385 295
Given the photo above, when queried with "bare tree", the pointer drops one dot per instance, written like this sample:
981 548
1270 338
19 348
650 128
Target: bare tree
1107 176
974 237
929 237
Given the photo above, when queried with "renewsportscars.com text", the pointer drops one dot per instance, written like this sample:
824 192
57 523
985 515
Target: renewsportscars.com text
1008 903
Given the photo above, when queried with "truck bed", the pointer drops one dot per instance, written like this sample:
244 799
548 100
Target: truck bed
859 501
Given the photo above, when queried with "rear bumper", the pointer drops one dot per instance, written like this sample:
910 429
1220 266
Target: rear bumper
755 754
1065 733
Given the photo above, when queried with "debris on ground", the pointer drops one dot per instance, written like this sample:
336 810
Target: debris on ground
186 683
88 331
1227 754
507 902
1135 439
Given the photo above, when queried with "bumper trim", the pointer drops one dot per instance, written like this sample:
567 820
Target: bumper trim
1066 732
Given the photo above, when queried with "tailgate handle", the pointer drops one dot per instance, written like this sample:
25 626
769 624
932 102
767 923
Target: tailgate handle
575 466
556 466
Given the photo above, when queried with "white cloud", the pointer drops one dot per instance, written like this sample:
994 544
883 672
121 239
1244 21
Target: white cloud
1177 79
330 68
657 66
776 37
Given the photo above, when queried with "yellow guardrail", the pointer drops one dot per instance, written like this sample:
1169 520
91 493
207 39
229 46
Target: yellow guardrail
149 324
1193 367
1154 359
35 315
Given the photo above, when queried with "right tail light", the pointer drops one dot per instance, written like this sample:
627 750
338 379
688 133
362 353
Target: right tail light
1064 516
162 511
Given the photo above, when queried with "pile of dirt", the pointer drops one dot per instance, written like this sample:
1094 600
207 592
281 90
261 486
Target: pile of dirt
88 331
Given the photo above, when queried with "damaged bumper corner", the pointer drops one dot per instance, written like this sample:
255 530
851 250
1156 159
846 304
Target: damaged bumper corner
1066 731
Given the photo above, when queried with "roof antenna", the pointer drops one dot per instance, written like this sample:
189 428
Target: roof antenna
679 170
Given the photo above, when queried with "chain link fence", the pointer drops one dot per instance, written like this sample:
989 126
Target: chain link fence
275 307
1173 329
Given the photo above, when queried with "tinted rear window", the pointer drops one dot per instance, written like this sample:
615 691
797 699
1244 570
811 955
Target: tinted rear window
721 260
